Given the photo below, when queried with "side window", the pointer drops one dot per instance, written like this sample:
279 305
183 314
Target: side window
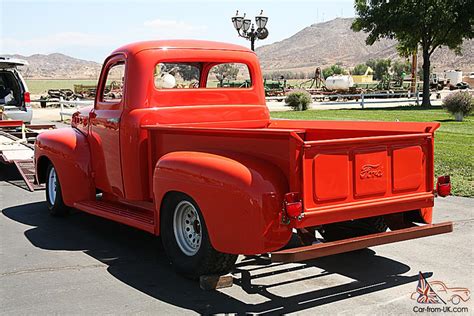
177 75
113 90
229 75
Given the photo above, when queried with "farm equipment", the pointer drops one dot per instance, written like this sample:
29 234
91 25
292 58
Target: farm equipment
317 81
55 95
274 88
86 91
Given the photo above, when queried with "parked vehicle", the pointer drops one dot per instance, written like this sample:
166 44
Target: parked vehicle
207 169
14 94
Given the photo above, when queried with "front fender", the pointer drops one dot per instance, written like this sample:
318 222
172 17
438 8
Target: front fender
68 150
239 196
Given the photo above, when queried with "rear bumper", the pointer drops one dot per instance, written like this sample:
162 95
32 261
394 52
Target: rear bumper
362 209
14 113
335 247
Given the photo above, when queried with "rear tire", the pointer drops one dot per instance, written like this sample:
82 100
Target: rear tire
54 197
355 228
186 241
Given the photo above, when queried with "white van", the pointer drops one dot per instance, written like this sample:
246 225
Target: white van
14 94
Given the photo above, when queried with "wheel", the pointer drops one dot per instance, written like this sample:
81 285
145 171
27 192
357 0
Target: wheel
355 228
186 241
54 197
456 299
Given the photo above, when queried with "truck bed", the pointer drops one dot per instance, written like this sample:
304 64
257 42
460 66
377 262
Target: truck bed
343 170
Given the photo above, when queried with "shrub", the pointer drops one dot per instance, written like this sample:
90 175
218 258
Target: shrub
459 104
298 100
334 70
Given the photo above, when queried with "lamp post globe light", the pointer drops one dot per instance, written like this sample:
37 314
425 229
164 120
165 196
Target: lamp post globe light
246 29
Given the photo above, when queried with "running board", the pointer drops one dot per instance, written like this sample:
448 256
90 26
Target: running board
350 244
132 216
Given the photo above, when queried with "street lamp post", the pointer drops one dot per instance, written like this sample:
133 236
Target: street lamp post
246 29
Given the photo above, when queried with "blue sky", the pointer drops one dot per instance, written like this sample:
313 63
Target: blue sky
92 29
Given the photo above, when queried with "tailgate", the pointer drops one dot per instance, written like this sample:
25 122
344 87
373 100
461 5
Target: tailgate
358 177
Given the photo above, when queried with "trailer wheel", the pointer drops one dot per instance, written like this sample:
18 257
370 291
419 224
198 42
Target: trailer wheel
54 197
355 228
186 241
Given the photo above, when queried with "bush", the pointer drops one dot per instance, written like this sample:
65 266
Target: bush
360 69
298 100
459 104
334 70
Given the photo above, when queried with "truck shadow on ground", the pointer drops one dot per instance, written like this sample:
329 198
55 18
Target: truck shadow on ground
137 259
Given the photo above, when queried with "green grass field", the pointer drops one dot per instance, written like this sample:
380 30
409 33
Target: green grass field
41 86
454 141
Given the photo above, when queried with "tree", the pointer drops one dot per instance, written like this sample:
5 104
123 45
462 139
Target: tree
333 70
400 69
360 69
428 24
381 68
226 71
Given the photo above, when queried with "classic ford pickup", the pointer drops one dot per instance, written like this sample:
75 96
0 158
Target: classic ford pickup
175 146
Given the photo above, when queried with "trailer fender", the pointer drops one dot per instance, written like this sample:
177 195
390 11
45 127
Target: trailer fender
240 198
68 150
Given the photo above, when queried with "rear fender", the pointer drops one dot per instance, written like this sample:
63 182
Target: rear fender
239 196
68 150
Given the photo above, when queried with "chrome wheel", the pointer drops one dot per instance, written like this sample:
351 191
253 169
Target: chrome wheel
52 186
187 228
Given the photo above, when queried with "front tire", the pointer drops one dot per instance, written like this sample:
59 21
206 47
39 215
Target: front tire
54 197
186 240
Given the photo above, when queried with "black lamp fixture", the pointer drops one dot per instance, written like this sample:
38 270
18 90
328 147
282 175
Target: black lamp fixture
243 25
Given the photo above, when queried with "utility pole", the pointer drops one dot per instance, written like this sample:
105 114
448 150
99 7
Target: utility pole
414 66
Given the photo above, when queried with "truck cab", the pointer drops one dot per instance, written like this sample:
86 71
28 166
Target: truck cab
169 149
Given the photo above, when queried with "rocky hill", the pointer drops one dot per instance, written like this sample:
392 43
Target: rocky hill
58 66
330 42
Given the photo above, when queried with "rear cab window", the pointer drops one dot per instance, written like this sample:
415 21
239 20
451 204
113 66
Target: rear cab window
229 75
183 75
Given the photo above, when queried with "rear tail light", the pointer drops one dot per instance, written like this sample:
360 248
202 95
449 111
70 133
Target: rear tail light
292 205
27 99
443 187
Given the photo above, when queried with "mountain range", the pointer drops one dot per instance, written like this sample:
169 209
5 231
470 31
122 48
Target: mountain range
318 45
58 66
327 43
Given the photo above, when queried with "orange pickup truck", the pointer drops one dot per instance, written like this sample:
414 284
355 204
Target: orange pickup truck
173 152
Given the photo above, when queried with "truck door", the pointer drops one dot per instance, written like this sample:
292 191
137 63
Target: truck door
104 125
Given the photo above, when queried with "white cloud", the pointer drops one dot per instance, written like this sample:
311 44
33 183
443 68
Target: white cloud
166 29
87 45
52 43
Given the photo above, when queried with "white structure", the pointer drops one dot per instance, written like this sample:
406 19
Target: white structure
454 76
339 82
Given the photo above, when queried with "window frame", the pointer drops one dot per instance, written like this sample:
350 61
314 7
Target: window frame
100 103
212 65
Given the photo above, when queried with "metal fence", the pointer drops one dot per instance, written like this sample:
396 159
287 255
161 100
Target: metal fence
68 108
362 99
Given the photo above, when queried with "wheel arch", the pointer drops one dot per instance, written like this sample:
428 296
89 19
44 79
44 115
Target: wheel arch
68 151
41 168
239 196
